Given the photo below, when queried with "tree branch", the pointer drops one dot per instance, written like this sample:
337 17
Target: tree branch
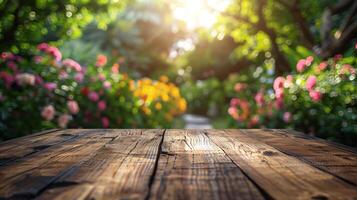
302 24
348 20
348 31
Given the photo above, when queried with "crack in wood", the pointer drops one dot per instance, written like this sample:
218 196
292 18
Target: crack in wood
152 177
181 164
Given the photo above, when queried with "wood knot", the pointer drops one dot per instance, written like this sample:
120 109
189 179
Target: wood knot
319 197
270 153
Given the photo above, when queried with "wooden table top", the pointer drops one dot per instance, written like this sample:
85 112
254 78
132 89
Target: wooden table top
175 164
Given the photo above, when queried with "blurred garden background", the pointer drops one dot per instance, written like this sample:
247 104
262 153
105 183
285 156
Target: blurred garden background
147 63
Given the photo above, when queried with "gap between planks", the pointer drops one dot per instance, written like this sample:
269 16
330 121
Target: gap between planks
160 153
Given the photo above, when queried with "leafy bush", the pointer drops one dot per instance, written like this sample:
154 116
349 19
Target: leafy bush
46 91
204 97
320 99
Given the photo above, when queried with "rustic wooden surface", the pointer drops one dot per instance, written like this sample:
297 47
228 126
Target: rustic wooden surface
175 164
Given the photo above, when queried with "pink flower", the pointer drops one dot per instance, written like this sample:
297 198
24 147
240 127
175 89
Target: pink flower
288 81
287 117
54 52
356 45
239 112
48 112
337 57
38 80
233 111
347 69
279 93
43 47
7 56
63 75
72 64
322 66
311 82
253 121
105 122
309 60
25 79
279 83
101 60
7 78
115 68
107 84
50 86
300 66
279 103
315 95
259 98
234 102
240 86
12 65
38 59
63 120
93 96
73 107
101 77
101 105
79 77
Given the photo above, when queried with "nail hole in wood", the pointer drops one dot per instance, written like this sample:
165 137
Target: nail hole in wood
270 153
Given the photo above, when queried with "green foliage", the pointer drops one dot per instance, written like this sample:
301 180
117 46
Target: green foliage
23 24
143 33
320 100
204 97
47 92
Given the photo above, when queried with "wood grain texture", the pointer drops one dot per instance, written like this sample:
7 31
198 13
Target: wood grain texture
18 148
29 175
326 156
191 166
122 169
280 175
175 164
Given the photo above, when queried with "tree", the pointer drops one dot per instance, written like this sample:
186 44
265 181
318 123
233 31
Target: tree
24 24
333 39
291 23
143 34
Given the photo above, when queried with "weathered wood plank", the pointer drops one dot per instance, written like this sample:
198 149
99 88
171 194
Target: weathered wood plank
29 175
191 166
335 160
8 144
280 175
15 149
122 169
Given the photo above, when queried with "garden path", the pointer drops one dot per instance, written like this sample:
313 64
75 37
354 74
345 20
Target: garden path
196 122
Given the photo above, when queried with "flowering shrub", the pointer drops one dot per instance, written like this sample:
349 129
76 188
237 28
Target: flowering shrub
320 99
46 91
159 98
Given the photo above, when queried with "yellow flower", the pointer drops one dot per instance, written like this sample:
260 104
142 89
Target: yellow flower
162 92
164 79
131 85
158 106
146 110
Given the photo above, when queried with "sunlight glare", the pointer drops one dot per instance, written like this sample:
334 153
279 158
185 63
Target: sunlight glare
198 13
